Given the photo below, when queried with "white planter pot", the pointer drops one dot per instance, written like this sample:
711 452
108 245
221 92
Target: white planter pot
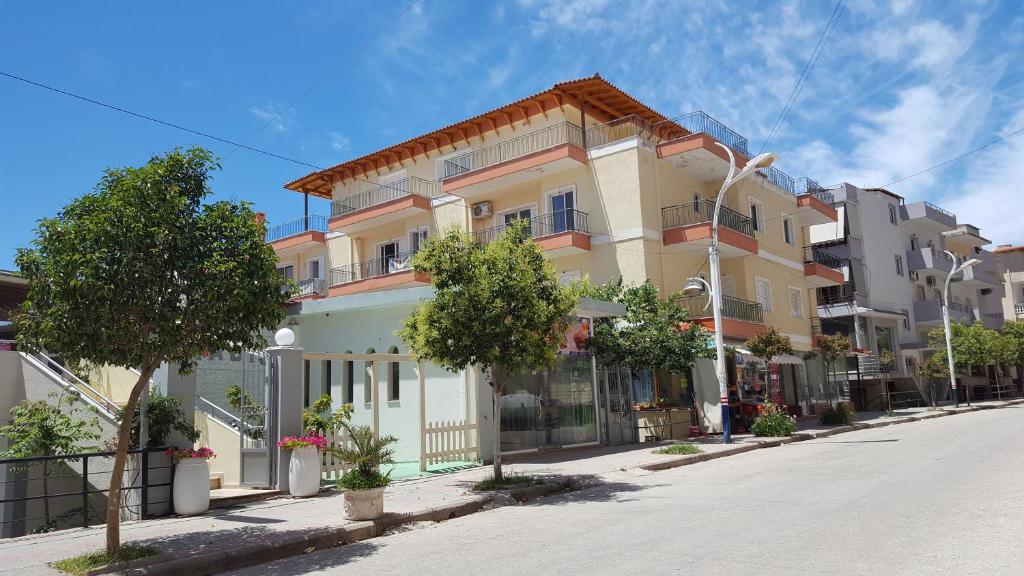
364 504
191 489
304 472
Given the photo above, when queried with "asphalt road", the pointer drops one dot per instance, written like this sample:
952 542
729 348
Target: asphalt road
943 496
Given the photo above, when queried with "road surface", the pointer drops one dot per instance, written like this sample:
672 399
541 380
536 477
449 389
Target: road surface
942 496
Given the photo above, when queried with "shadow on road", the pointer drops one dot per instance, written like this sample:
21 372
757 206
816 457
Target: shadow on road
314 562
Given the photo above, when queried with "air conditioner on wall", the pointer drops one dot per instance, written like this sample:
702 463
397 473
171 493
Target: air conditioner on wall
930 280
481 209
913 275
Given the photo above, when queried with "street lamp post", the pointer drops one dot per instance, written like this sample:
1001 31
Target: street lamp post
945 321
693 287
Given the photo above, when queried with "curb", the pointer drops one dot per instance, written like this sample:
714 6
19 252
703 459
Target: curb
247 555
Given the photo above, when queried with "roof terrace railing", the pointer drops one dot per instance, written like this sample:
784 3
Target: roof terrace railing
701 121
620 129
536 141
385 193
703 211
939 209
313 222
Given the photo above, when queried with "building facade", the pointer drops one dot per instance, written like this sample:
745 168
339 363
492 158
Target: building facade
612 189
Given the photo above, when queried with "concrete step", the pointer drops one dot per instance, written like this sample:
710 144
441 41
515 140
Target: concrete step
233 496
216 480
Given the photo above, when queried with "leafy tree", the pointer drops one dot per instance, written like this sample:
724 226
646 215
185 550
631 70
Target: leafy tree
498 306
831 347
163 414
1014 334
654 334
319 417
973 344
141 272
932 371
766 345
886 364
44 428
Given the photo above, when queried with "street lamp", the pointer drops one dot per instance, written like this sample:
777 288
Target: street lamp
693 287
945 320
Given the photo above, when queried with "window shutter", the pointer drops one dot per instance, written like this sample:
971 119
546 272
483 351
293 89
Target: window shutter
795 308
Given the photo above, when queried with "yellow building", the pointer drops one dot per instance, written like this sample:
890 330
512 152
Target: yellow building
612 189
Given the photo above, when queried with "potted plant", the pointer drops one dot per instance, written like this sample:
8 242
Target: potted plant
304 464
191 489
363 484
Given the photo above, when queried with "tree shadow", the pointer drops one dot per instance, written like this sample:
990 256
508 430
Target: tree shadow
591 488
313 562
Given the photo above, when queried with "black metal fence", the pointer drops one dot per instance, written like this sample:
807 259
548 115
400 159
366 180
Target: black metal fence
842 294
734 308
549 137
701 121
815 255
702 211
383 266
385 193
71 489
540 226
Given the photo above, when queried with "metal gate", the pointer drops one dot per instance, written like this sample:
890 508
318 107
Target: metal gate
257 417
619 417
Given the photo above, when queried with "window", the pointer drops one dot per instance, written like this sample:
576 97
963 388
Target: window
522 213
368 378
417 238
305 383
757 215
455 163
913 242
899 265
348 391
763 293
388 254
892 214
696 202
920 293
394 377
796 305
906 318
562 205
787 229
287 271
315 268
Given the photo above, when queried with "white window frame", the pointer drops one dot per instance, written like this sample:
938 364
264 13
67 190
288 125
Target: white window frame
401 248
757 222
787 218
765 306
499 217
282 267
318 259
899 265
894 217
799 301
439 163
417 230
560 190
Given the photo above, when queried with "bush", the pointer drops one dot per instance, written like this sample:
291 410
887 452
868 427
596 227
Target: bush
85 562
366 456
357 479
838 415
772 420
679 449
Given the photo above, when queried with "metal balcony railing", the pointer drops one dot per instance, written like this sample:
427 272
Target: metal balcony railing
385 193
815 255
779 178
312 287
939 209
374 268
842 294
540 226
1018 310
958 307
556 135
621 129
701 121
313 222
734 308
703 211
807 186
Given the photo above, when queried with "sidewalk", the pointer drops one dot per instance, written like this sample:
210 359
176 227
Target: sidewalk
271 522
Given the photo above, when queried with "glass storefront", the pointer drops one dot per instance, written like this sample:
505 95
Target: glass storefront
550 408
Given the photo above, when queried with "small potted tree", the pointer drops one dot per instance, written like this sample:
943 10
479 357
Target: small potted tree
191 489
363 484
304 463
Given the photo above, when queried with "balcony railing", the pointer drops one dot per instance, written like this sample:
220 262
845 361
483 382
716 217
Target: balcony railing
385 193
312 287
374 268
546 225
1018 310
312 222
830 295
815 255
779 178
556 135
734 308
621 129
939 209
807 186
701 121
703 211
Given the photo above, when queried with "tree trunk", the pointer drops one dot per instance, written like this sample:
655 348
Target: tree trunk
124 436
497 390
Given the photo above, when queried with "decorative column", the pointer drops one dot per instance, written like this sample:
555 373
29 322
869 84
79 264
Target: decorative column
285 366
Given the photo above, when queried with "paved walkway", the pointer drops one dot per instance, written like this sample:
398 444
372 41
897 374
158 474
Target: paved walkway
281 517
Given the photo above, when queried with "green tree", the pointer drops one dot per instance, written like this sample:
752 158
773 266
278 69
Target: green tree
654 334
320 419
44 428
141 272
932 371
973 344
163 414
832 347
886 364
498 306
766 345
1014 333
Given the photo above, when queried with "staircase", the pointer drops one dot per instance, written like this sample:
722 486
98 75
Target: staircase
106 408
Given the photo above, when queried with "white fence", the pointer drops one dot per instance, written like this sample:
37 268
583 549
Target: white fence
331 467
453 441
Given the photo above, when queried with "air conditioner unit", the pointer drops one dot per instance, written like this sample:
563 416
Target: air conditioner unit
481 209
930 280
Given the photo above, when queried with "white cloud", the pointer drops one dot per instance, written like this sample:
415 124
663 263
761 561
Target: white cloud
339 142
273 118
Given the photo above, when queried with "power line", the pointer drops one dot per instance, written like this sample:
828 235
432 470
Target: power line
954 159
819 48
158 121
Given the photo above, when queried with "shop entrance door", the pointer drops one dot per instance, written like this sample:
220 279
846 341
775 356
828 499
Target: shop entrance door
619 417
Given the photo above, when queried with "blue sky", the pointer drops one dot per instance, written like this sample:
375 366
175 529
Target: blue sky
902 85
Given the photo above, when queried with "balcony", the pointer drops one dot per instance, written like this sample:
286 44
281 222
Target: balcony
311 288
992 320
836 301
687 227
741 319
929 260
982 274
386 203
965 238
621 130
929 312
544 151
297 232
376 274
822 268
1018 311
928 216
815 203
699 153
702 122
558 234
